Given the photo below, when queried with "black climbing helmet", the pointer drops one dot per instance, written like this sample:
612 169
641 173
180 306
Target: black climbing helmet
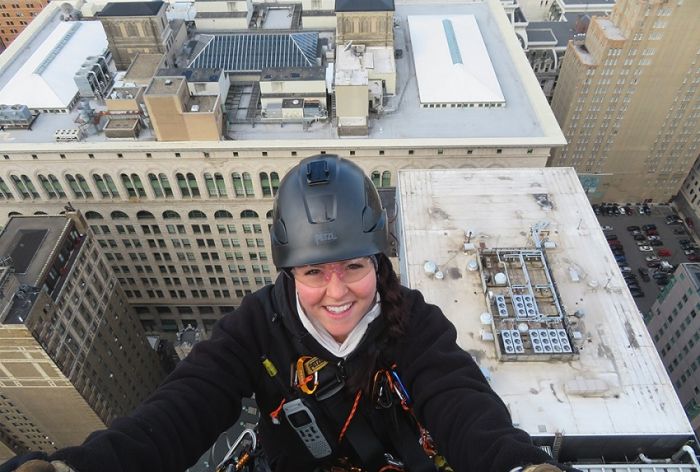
326 210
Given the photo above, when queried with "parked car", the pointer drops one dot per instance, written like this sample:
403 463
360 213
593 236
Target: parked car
683 242
659 275
644 272
625 269
652 232
656 242
693 257
662 282
653 264
632 228
618 251
647 210
653 237
610 237
646 248
639 237
663 252
688 252
652 258
648 226
607 228
637 293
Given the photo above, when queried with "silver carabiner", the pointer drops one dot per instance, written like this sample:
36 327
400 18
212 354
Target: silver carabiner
236 443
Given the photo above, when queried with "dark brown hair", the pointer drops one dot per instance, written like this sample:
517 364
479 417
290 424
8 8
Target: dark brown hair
379 354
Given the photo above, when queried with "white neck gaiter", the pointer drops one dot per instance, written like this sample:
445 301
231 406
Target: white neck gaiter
326 340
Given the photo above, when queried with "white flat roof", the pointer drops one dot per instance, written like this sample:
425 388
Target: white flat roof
452 63
45 77
617 386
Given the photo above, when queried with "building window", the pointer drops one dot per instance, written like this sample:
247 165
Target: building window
52 186
78 186
215 185
5 191
188 185
133 184
105 185
24 186
269 183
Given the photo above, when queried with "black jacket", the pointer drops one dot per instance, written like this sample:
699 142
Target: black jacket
202 397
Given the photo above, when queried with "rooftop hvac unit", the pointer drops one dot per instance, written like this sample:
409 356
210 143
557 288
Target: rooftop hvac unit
512 342
501 306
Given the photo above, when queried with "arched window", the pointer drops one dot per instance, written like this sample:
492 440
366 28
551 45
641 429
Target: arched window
376 178
52 186
84 187
155 185
144 215
249 214
165 184
265 184
14 213
187 184
196 214
93 215
248 185
5 192
79 187
269 183
219 214
119 215
386 179
133 184
171 215
215 185
237 184
40 213
364 26
269 214
192 182
105 185
24 186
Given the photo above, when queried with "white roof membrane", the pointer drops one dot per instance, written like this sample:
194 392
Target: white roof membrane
451 60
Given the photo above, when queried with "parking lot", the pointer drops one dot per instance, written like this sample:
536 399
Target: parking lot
634 257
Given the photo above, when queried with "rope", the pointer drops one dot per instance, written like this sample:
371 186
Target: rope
349 418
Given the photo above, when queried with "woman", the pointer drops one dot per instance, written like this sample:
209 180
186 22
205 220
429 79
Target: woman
348 368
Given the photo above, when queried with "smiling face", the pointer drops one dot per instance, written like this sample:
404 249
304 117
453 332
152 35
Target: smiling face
339 303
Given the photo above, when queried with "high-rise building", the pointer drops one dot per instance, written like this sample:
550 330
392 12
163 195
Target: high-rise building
16 15
628 101
184 224
517 261
674 324
73 354
688 199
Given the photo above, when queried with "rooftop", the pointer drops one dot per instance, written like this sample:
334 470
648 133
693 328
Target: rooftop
193 75
41 76
543 32
692 269
30 241
142 68
614 371
131 9
364 5
588 3
246 52
526 120
451 60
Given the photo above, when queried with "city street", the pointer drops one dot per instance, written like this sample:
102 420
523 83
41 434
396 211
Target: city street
635 257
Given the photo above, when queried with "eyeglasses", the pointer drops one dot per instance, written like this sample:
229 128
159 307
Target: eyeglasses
349 271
